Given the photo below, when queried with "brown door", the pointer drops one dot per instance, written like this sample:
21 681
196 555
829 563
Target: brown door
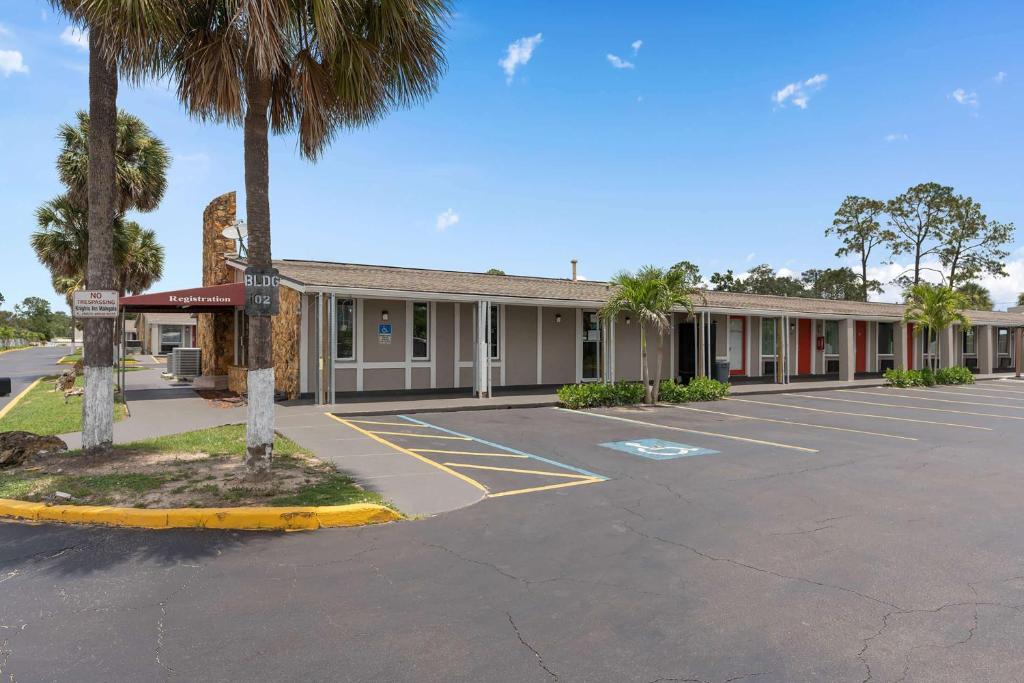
862 346
806 344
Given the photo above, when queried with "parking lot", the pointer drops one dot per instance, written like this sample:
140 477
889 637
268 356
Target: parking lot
841 535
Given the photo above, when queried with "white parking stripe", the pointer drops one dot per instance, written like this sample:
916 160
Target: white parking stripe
934 410
841 412
797 424
926 398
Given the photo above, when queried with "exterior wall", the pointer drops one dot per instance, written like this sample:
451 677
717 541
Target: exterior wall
371 316
444 330
216 331
285 330
520 353
627 350
559 352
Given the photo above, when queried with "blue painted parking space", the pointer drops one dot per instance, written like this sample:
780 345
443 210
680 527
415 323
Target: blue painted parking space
658 449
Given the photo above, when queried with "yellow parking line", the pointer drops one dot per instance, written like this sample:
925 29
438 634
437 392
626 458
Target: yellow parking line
934 410
389 424
925 398
21 394
546 488
406 451
693 431
841 412
492 455
518 471
798 424
426 436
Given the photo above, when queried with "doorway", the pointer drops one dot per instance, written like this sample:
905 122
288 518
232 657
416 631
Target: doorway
688 350
805 344
737 346
592 370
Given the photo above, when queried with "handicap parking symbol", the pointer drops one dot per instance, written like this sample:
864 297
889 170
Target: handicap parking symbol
657 449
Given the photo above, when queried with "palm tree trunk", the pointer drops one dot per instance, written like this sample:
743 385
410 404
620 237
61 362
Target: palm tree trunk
260 381
98 356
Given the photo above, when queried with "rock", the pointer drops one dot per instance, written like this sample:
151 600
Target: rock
61 495
17 447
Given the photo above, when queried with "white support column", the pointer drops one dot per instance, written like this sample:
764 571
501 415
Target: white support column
318 300
408 345
579 345
611 349
432 326
481 358
899 345
456 379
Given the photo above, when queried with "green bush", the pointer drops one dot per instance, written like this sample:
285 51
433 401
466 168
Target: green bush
927 378
579 396
699 389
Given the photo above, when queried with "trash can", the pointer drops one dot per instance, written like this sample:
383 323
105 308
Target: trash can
722 371
5 386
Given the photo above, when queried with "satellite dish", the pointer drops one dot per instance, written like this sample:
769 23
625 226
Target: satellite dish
235 231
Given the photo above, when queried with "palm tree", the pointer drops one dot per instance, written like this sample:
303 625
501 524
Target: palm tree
650 295
140 258
978 298
141 163
123 35
935 308
306 66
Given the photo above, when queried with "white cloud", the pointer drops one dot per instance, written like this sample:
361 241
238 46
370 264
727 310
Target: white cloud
636 45
518 54
75 37
799 93
619 63
999 77
786 272
751 256
896 137
969 99
446 219
11 62
1004 290
4 31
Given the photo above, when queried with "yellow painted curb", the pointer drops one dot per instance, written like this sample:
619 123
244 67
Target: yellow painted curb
20 348
14 401
240 518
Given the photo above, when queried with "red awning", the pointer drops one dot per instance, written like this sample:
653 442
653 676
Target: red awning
196 300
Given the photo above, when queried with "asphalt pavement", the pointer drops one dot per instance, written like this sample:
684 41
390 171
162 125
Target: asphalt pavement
27 365
840 536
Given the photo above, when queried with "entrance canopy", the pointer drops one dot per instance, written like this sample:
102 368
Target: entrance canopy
197 300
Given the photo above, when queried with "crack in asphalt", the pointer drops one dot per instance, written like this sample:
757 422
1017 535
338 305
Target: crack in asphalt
702 680
802 531
800 471
531 648
737 563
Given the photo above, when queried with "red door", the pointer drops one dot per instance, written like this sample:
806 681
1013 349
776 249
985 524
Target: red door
805 342
862 346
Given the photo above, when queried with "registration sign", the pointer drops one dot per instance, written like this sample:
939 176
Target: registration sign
261 291
95 303
657 449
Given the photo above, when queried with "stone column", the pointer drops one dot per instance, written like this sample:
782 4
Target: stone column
215 332
986 348
847 350
947 348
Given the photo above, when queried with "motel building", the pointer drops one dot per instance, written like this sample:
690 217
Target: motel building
347 330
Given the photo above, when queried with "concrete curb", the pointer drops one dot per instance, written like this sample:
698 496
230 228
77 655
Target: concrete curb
17 399
443 409
239 518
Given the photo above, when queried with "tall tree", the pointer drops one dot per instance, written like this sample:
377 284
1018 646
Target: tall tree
837 284
857 227
122 34
760 279
972 244
976 296
919 218
307 66
935 308
689 273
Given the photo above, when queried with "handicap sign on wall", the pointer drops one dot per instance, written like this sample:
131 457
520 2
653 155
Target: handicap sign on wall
384 328
656 449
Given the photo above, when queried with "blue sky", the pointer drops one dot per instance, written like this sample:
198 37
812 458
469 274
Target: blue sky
689 146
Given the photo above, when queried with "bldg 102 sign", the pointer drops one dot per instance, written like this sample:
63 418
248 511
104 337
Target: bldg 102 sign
261 296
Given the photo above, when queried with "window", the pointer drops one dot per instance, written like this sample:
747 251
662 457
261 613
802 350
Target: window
768 336
970 342
241 339
832 338
345 314
420 330
493 334
1003 341
885 339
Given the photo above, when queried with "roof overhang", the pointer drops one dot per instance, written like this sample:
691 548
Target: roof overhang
196 300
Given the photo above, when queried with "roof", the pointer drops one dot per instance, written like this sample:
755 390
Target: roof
168 318
396 281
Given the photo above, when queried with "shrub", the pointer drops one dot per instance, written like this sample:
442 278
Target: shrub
927 378
955 375
579 396
699 389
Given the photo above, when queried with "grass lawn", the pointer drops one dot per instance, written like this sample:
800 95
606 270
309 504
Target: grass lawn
72 358
43 411
203 468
